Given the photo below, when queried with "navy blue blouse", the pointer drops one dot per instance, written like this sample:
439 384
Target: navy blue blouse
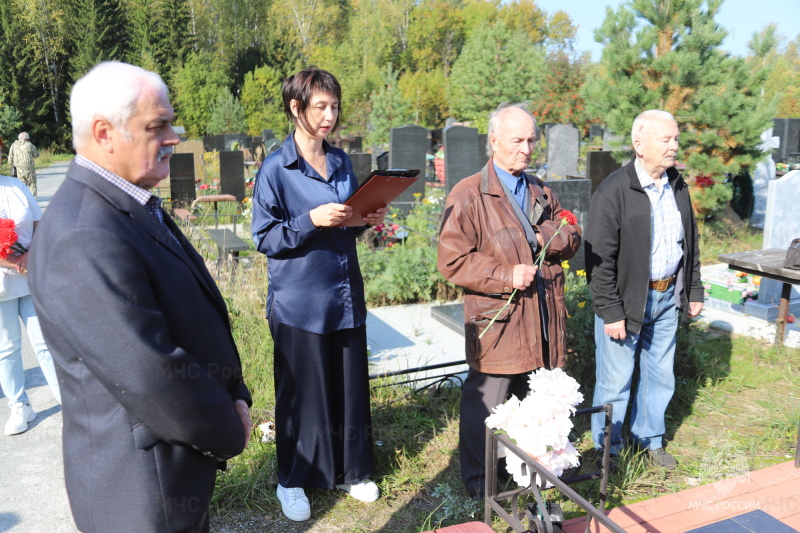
315 282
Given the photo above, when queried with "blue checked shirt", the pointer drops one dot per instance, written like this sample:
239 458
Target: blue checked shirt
142 196
666 228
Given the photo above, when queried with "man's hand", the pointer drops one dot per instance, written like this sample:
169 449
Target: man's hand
244 414
330 215
373 219
695 308
615 330
522 276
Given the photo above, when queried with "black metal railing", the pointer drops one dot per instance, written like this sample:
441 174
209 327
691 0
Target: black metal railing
540 519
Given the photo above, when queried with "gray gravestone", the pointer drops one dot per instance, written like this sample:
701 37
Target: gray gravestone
195 148
407 148
362 165
482 157
267 135
780 227
462 158
563 149
181 179
231 173
574 194
599 164
595 132
788 129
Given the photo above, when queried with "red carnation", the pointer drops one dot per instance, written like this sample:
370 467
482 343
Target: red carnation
569 216
8 238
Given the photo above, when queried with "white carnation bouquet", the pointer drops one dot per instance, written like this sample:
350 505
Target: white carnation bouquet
540 424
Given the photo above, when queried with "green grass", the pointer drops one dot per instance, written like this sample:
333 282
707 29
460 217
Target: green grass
732 393
724 237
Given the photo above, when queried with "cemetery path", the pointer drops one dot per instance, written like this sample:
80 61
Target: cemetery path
32 494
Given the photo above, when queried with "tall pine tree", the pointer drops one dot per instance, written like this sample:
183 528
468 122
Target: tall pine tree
389 109
496 65
98 31
667 55
23 88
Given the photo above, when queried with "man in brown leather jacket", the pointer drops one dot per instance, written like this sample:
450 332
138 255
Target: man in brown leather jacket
495 224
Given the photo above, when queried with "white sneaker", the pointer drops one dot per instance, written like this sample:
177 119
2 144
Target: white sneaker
21 414
294 503
366 491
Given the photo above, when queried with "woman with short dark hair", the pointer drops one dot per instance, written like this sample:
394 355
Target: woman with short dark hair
315 302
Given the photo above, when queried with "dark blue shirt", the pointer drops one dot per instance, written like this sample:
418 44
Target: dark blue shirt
315 282
516 184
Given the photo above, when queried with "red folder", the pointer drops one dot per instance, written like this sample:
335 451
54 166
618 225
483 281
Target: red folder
378 190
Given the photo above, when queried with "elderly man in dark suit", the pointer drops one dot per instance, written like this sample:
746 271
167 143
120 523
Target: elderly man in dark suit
153 397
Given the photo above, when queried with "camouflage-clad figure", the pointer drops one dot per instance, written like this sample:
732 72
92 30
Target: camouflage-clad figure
21 156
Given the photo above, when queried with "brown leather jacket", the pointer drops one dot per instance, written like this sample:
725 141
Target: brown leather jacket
480 242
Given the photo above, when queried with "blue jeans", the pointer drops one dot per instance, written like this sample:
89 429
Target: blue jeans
12 373
654 347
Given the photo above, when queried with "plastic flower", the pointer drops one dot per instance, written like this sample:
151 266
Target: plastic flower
581 304
581 273
565 264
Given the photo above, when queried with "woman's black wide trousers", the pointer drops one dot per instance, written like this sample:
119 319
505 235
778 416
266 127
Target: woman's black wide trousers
322 408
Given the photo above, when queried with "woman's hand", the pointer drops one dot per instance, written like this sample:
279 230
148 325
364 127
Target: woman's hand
330 215
22 264
373 219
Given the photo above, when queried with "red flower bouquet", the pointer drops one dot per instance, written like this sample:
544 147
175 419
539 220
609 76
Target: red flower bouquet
8 239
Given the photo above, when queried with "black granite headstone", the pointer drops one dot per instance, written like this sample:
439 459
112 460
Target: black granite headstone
181 179
462 158
231 173
209 143
219 143
574 194
599 165
595 131
237 140
267 135
272 144
382 161
788 129
408 146
362 165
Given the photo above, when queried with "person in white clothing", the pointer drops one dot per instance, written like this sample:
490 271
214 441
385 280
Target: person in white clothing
18 204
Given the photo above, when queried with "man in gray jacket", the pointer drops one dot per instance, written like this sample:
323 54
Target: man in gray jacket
643 266
21 156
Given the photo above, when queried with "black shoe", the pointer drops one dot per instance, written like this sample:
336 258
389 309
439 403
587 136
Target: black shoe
662 459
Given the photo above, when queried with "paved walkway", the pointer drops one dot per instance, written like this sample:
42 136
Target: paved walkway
774 490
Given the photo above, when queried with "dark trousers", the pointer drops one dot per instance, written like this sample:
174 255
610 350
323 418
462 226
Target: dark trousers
480 394
322 407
